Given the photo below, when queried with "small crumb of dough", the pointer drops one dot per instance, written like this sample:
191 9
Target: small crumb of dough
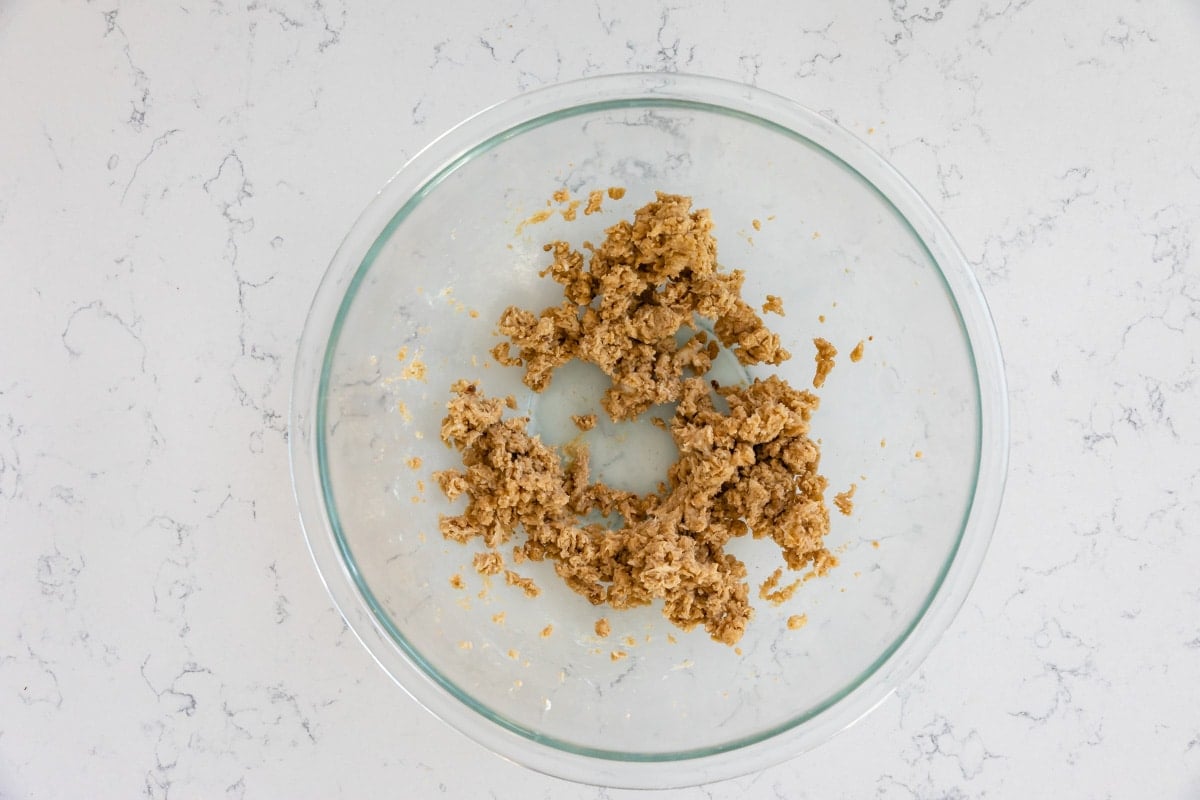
671 638
845 500
757 224
535 219
465 644
821 318
768 591
770 583
514 654
595 200
824 357
737 651
526 585
617 655
402 354
883 442
857 353
414 462
474 314
797 621
616 192
570 213
629 641
547 631
562 196
603 629
585 422
414 371
918 454
456 581
405 414
875 543
488 563
774 305
498 618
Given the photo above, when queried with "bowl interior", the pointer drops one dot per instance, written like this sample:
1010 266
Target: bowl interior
903 424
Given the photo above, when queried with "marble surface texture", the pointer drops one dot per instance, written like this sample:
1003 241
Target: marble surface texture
174 177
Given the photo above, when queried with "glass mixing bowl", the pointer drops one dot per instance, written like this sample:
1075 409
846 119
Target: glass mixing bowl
919 424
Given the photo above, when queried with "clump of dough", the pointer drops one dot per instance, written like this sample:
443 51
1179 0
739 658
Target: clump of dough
752 470
622 309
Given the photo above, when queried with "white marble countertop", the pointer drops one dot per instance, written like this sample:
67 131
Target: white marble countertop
173 180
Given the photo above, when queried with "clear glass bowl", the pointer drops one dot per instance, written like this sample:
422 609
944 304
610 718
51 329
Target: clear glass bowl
919 424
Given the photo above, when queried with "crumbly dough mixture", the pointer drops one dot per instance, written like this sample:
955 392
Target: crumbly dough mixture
621 310
749 470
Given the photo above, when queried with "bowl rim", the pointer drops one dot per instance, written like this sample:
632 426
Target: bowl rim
362 613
